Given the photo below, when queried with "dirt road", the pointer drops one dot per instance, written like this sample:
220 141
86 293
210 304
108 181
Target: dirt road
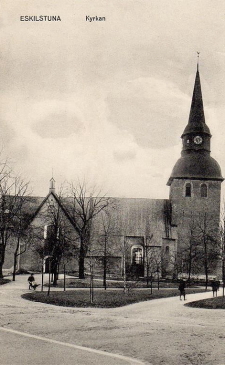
161 331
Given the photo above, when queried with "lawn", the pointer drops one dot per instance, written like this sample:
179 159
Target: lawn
98 283
102 298
212 303
4 281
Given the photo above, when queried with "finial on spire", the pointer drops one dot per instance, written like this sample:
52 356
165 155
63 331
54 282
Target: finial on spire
198 53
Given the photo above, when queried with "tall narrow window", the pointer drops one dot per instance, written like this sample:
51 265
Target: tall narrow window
188 189
137 255
204 191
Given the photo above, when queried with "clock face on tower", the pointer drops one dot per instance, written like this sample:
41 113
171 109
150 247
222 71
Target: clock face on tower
198 140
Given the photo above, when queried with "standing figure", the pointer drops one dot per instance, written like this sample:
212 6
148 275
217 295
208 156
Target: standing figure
214 285
31 281
182 289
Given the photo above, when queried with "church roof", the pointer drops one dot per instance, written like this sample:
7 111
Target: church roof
196 166
131 215
196 122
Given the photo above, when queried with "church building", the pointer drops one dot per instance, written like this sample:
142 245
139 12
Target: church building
166 237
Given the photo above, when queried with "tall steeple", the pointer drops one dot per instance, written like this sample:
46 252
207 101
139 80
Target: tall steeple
196 122
195 161
195 181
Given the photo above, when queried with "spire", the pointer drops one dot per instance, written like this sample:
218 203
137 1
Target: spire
52 185
197 111
196 122
195 162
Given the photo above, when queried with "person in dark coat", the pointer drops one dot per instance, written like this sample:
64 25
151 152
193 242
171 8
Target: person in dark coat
182 289
31 281
218 285
214 286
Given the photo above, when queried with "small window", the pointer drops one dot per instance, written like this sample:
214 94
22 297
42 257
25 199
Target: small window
204 191
48 231
188 190
167 250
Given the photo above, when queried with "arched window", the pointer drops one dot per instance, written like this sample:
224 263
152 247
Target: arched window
167 250
188 190
137 255
204 191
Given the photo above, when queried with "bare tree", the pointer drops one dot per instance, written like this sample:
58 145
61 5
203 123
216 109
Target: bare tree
12 196
59 240
200 252
152 254
191 253
210 243
105 237
85 205
222 240
124 248
124 269
23 236
153 260
223 262
148 258
92 261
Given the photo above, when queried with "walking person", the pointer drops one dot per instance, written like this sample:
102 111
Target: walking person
182 289
31 281
214 286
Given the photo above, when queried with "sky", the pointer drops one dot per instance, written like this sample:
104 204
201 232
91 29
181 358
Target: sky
108 101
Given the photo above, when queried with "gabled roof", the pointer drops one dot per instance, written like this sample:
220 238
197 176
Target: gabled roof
38 203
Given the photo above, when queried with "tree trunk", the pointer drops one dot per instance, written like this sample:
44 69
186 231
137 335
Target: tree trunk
91 285
151 278
190 264
105 264
81 261
1 273
206 275
55 273
147 274
64 277
205 254
14 266
2 258
124 269
206 264
104 274
55 278
15 258
189 270
49 278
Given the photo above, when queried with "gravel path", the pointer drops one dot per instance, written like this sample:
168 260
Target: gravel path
161 331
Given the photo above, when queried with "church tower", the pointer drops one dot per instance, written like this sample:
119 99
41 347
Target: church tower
195 181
